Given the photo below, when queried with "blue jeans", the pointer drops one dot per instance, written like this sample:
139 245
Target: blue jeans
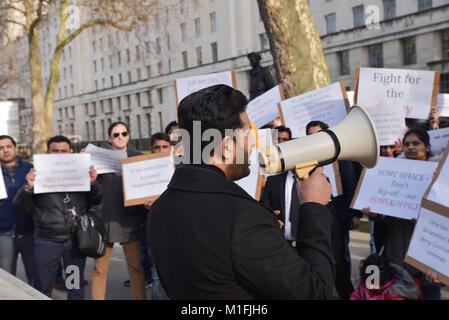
157 290
10 248
48 255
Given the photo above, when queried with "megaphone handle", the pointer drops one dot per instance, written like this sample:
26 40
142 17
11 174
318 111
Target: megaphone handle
302 170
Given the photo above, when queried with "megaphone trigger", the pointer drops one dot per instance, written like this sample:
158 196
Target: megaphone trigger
303 170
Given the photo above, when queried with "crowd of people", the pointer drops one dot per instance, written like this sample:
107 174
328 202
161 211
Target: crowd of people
206 238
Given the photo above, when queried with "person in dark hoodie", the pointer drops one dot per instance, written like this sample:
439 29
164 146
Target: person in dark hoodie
16 230
123 224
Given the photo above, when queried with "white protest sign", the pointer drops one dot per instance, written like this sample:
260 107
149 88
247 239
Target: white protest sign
439 192
105 160
61 172
146 177
264 108
394 187
410 89
252 183
265 138
3 193
430 242
326 104
443 104
389 122
438 140
350 95
186 86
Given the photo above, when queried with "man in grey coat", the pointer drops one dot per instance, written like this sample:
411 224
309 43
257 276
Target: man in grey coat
122 224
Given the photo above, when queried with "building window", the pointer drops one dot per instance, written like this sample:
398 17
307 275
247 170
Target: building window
184 60
409 50
161 124
445 44
71 72
137 53
183 32
213 47
120 79
182 4
128 56
102 64
168 42
129 77
157 20
103 130
263 38
389 9
158 45
159 68
344 62
102 106
93 48
150 99
112 81
148 71
199 56
160 94
110 62
331 23
213 22
139 127
424 4
139 101
95 66
87 130
375 54
149 124
358 14
94 131
169 65
86 109
197 27
119 58
72 90
139 74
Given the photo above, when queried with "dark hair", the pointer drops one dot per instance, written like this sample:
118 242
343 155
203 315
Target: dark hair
386 271
114 124
8 137
159 136
170 125
255 55
217 107
316 123
58 139
422 135
285 129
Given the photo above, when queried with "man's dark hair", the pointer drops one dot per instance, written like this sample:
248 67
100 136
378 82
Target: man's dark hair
386 271
217 107
285 129
170 125
8 137
58 139
114 124
159 136
422 135
316 123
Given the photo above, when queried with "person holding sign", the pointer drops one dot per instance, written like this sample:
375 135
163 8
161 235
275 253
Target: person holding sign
16 230
55 226
212 240
399 231
123 224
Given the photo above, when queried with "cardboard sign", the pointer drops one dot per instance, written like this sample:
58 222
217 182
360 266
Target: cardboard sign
105 160
61 172
394 187
146 177
252 184
264 108
438 140
186 86
389 122
328 104
413 90
439 190
3 193
443 104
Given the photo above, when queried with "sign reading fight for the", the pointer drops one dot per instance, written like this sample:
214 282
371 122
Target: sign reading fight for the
104 160
394 187
413 90
326 104
264 108
3 194
61 172
145 177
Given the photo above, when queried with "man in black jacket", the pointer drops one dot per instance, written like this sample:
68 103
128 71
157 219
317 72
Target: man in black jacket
211 240
55 225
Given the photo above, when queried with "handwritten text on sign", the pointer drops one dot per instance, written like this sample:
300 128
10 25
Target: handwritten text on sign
395 187
186 86
264 108
410 89
104 160
438 140
430 241
440 188
61 172
389 122
326 104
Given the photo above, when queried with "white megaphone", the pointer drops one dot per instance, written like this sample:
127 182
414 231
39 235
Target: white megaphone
354 138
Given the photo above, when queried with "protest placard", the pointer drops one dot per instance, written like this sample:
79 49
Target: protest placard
413 90
394 187
443 104
188 85
350 95
264 138
252 184
264 108
439 189
389 122
105 160
61 172
146 177
328 104
438 140
3 193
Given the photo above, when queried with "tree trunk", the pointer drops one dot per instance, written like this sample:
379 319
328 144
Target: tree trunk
295 46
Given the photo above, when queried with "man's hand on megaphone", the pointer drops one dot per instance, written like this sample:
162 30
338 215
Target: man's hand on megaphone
316 188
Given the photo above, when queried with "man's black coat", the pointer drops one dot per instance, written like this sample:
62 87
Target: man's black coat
211 240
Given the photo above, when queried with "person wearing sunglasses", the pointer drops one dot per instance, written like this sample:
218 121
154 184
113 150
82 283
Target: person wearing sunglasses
123 225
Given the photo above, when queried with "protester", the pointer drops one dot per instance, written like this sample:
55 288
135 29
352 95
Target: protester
55 224
284 134
16 230
211 240
395 283
123 224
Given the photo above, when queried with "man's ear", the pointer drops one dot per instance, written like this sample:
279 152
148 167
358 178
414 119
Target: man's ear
227 149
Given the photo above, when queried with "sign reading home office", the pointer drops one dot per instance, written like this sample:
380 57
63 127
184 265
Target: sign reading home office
394 187
413 90
61 172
